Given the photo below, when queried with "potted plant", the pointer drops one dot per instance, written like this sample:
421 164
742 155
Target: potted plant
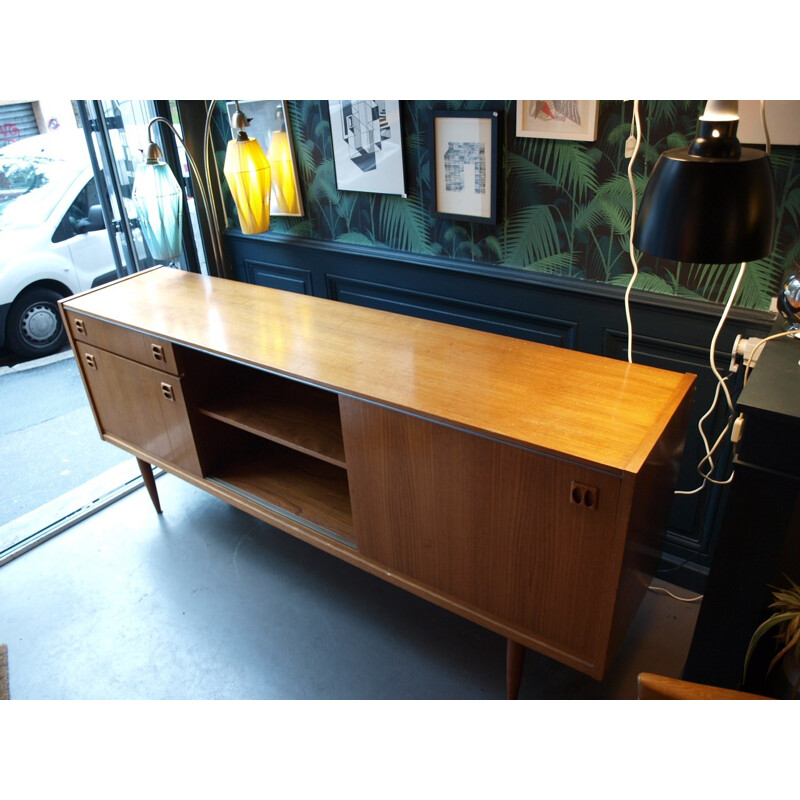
785 618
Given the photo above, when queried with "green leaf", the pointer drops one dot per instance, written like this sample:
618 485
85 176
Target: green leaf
304 228
403 224
619 133
567 164
524 170
468 249
677 141
763 628
562 264
355 238
646 281
323 187
494 246
531 236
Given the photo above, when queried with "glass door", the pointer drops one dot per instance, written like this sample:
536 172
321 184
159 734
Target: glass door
120 132
54 464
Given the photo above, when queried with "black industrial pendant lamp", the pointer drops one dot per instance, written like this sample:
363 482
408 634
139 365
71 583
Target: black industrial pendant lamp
710 203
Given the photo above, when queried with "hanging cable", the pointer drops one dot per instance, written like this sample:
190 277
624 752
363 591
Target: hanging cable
721 385
759 346
764 126
661 590
634 141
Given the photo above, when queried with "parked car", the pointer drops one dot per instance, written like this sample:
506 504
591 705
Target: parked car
53 241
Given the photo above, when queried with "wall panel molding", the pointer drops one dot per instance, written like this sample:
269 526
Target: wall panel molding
277 276
519 324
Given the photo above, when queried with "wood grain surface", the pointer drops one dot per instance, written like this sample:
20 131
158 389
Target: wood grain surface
598 410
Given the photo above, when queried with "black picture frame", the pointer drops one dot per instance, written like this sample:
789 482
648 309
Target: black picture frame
464 155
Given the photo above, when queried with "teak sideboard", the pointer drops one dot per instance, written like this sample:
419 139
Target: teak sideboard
523 486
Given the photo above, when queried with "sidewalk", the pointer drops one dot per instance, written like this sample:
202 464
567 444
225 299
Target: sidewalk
49 443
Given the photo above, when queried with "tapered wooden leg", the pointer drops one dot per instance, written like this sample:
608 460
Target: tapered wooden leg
515 661
149 482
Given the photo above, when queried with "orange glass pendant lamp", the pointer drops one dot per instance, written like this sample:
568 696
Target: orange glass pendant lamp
249 177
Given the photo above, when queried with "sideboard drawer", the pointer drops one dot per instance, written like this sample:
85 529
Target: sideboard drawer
145 349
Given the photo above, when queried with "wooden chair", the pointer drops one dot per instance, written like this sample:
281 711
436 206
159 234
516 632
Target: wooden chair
660 687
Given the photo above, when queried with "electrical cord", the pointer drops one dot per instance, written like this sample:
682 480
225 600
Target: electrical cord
720 380
636 135
662 590
759 346
709 450
764 126
721 385
635 138
682 564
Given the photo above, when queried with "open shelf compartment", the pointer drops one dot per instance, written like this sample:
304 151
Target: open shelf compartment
301 487
296 415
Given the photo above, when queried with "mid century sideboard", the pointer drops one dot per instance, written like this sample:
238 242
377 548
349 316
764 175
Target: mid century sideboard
522 486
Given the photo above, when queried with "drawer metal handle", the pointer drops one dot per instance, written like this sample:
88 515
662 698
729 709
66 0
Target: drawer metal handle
90 360
80 326
158 352
166 390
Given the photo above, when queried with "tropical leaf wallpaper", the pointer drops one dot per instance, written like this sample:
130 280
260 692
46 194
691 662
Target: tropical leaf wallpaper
565 206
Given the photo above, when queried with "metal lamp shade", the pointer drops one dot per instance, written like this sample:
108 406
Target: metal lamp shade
248 174
158 201
708 210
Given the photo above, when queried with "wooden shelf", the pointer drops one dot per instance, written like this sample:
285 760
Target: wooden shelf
293 414
300 486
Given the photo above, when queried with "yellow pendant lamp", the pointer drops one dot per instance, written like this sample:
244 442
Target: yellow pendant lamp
283 185
249 177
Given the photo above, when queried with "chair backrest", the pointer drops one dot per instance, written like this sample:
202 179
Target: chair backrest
660 687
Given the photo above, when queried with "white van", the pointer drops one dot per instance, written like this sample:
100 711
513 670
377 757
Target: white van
53 242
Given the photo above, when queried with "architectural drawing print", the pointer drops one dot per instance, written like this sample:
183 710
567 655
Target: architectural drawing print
464 154
365 129
458 155
367 145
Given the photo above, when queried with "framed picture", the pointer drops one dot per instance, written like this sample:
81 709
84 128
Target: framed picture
464 150
269 123
783 122
558 119
367 146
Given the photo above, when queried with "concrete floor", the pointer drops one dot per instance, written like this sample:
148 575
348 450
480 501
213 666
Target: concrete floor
205 602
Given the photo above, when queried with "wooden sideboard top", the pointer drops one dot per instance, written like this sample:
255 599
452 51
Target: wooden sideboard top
598 410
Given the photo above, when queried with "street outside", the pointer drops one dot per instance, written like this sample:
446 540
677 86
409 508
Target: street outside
49 443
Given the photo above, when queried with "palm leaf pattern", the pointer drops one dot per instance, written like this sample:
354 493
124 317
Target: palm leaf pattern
566 206
403 225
